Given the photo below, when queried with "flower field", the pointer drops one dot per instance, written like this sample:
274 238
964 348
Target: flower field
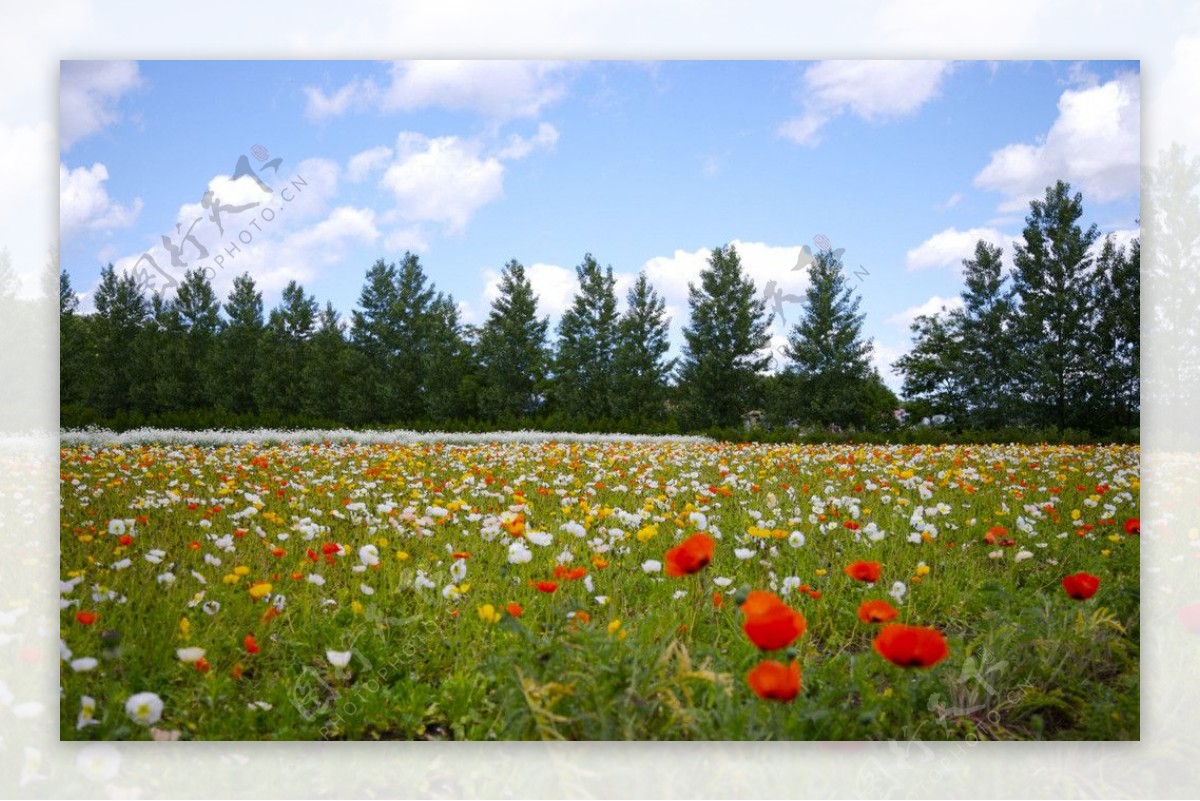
517 588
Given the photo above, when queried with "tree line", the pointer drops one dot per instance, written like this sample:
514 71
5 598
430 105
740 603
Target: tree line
1054 344
404 357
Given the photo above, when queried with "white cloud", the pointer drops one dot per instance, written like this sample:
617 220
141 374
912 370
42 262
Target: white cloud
362 165
935 304
519 146
951 201
948 248
275 240
1094 144
883 357
28 154
875 91
84 203
88 95
499 90
554 286
443 180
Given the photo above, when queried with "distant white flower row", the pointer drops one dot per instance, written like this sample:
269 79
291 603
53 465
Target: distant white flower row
101 437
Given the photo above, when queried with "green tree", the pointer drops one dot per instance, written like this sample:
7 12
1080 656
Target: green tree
325 367
411 321
829 362
72 346
237 348
641 371
932 369
285 352
1116 336
1053 281
984 333
725 339
200 318
373 336
121 310
450 383
512 350
587 338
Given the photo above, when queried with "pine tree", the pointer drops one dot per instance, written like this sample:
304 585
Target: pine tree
641 371
984 328
373 336
512 350
72 346
325 368
120 311
237 348
285 351
1116 337
587 335
200 318
725 341
829 363
449 373
1053 281
411 318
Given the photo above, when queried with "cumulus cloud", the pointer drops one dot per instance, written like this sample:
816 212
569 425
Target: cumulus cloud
519 146
264 233
498 90
84 202
443 180
1094 144
948 248
89 92
363 165
903 320
875 91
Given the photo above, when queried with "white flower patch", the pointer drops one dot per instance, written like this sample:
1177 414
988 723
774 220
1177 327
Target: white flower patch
652 566
518 553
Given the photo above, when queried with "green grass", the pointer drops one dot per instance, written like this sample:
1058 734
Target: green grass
1026 661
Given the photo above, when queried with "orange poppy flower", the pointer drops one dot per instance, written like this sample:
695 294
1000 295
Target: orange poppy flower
460 555
770 623
773 681
690 556
718 600
1081 586
86 618
911 646
514 610
876 612
236 671
864 571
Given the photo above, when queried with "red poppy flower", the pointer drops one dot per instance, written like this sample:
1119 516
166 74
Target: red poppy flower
775 682
911 646
770 623
202 665
1081 586
331 548
851 525
876 612
86 618
994 533
690 556
547 586
1133 526
278 552
251 644
718 600
460 555
864 571
514 610
125 539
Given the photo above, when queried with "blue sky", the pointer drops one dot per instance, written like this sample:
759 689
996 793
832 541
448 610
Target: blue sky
647 165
